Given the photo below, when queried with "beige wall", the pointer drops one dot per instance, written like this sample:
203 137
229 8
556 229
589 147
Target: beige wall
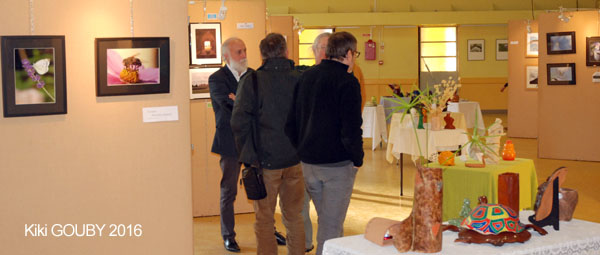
206 173
568 114
99 163
522 102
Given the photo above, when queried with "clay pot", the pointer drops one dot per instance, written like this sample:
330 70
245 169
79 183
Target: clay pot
567 202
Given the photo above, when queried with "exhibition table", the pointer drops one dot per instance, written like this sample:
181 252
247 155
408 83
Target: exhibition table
470 110
374 124
462 182
574 237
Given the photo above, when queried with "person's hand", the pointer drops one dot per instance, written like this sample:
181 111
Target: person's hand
232 96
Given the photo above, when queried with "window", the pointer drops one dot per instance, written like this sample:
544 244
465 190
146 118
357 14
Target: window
307 37
438 49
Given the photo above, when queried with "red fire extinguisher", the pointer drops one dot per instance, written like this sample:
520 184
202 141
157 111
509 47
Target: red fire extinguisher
370 50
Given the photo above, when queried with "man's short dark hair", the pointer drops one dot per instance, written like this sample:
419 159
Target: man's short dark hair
338 45
273 46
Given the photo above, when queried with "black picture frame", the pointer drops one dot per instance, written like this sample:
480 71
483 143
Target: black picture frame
560 43
592 51
149 66
34 79
561 74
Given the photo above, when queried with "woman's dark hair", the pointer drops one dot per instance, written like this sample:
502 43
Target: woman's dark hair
273 46
338 45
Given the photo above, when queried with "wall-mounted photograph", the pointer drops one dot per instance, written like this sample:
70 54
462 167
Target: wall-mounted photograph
476 49
592 51
531 77
205 43
501 49
130 66
33 75
532 45
561 74
199 82
561 42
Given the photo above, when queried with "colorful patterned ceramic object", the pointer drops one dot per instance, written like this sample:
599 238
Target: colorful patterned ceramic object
493 219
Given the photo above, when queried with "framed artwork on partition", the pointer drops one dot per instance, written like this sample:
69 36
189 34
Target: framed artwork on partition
205 43
501 49
592 51
132 66
476 49
532 45
561 74
34 80
561 42
199 82
531 77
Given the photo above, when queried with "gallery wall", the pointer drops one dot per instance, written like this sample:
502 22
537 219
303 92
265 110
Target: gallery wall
568 114
99 164
522 101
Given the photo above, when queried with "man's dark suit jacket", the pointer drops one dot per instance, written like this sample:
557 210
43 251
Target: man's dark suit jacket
221 84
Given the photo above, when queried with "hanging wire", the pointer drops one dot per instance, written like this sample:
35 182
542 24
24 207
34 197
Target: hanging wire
532 15
31 19
131 16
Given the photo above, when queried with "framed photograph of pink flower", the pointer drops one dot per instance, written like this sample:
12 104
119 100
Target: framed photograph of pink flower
205 43
33 75
132 66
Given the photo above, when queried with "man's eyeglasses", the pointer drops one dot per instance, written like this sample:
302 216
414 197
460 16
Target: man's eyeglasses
356 54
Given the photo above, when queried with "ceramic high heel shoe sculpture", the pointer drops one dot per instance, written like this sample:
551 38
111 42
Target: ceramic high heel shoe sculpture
546 203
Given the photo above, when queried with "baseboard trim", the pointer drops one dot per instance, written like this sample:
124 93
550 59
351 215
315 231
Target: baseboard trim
498 111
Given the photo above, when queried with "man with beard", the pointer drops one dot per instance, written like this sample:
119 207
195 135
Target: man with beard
223 86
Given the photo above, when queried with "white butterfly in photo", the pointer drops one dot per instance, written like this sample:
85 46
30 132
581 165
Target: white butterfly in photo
41 66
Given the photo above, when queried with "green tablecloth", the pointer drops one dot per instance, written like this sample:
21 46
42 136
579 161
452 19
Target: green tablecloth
465 182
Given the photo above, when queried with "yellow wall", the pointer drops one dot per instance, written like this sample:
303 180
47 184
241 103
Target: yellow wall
99 164
489 67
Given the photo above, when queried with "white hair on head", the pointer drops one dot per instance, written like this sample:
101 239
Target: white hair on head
225 47
316 42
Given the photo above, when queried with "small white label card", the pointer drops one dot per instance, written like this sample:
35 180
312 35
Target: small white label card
514 42
162 113
248 25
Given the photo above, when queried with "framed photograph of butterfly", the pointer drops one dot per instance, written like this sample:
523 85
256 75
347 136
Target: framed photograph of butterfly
34 78
132 66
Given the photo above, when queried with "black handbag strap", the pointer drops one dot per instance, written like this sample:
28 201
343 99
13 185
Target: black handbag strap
255 119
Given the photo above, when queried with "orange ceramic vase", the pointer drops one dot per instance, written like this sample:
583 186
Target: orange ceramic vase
509 151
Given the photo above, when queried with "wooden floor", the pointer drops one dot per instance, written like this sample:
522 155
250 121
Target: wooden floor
377 194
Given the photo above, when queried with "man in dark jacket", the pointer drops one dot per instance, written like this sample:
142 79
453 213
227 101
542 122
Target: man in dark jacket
264 98
223 85
325 126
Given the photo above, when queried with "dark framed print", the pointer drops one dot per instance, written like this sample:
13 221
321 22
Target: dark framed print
561 74
592 51
501 49
531 77
561 42
205 43
476 49
132 66
34 80
199 82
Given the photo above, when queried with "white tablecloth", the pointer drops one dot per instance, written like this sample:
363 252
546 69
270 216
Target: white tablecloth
402 139
469 109
374 125
574 237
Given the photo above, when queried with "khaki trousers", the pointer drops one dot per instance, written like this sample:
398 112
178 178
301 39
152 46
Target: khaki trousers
288 184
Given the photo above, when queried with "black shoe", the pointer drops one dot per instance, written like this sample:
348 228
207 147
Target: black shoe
231 245
310 249
280 238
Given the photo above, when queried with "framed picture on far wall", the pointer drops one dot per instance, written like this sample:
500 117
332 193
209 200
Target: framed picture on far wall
476 49
131 66
501 49
561 74
205 44
199 82
592 51
34 78
532 45
531 77
560 42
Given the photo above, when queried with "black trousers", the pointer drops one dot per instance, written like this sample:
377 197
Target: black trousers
231 172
